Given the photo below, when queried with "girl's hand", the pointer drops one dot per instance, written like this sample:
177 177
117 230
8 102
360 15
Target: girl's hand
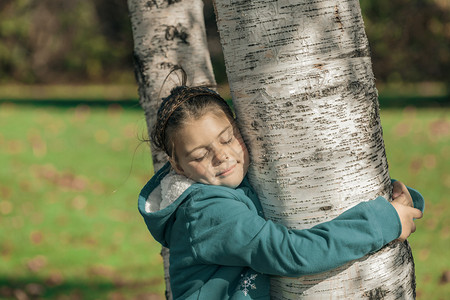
401 194
407 215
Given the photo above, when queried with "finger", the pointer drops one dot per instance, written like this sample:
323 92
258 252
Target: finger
397 189
402 200
404 188
413 227
417 214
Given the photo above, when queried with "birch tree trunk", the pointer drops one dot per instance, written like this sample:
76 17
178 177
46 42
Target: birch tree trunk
304 92
167 33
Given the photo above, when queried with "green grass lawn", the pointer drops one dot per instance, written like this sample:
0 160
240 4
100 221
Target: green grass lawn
69 179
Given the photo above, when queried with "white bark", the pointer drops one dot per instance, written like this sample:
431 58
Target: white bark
302 84
167 33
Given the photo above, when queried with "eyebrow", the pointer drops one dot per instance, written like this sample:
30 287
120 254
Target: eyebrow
202 146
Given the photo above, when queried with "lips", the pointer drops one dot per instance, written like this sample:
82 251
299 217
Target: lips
226 172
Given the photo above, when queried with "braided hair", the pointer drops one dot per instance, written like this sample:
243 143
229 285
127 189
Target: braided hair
183 104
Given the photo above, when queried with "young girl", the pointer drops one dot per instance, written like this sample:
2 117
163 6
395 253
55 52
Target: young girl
201 206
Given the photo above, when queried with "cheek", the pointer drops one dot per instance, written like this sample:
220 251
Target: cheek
200 170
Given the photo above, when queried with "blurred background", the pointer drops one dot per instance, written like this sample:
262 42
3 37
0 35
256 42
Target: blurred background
72 161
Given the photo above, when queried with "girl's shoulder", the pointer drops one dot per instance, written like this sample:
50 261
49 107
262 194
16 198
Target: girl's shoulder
202 196
200 191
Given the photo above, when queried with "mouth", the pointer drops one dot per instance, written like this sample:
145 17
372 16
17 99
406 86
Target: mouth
226 172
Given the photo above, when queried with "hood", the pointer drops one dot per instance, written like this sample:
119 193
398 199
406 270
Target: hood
160 198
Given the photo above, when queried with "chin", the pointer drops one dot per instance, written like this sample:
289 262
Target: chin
232 183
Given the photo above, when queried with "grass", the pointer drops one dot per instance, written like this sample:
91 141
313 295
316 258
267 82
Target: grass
69 180
68 188
418 150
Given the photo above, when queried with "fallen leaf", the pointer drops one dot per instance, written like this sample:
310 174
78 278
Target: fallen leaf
430 161
36 237
101 136
424 254
98 188
6 291
54 279
7 249
129 130
445 277
402 129
415 165
38 144
81 113
90 241
116 296
431 223
114 110
34 289
148 296
410 112
445 232
79 202
439 128
20 295
117 144
102 271
37 263
6 207
15 147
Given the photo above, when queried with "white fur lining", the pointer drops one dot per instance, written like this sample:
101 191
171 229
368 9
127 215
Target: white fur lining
170 188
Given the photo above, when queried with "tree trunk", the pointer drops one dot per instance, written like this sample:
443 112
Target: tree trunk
302 84
167 33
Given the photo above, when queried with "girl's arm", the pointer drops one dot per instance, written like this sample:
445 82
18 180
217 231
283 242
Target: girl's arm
228 231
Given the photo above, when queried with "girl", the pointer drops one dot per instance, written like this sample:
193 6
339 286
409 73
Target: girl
201 206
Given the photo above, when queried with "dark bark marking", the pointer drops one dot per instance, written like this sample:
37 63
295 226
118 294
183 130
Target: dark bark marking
160 3
337 18
152 3
326 208
318 66
166 65
375 294
139 68
178 31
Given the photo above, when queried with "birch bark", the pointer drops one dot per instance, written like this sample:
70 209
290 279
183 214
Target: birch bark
302 84
167 33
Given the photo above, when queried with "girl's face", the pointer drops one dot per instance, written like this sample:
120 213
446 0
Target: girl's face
210 150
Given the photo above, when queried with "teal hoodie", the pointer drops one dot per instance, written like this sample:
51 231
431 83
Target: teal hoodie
221 247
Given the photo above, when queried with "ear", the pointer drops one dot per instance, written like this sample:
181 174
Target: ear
176 166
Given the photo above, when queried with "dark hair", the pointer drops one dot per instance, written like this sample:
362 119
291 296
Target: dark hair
182 104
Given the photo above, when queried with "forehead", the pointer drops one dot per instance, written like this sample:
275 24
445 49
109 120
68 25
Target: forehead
201 132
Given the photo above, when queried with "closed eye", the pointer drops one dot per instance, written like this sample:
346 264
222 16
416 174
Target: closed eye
200 158
228 141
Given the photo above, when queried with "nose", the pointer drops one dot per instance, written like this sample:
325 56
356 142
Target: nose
220 155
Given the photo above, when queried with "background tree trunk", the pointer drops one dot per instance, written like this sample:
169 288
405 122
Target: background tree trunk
167 33
304 92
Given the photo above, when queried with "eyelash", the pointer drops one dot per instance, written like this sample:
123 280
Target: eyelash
199 159
228 141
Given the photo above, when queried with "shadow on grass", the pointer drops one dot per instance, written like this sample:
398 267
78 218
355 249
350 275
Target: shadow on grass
399 102
67 103
35 288
385 102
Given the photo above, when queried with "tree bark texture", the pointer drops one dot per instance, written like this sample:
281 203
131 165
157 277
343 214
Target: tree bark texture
304 93
167 33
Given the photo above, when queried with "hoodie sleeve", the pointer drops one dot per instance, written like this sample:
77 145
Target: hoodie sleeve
228 231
